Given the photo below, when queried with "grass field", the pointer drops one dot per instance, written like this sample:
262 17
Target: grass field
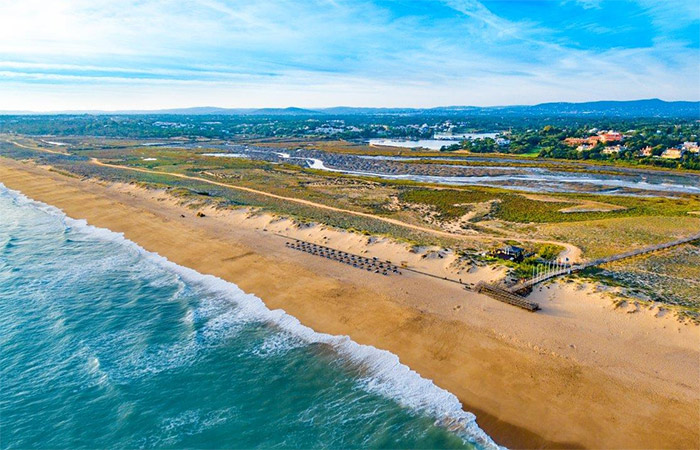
514 207
671 277
599 238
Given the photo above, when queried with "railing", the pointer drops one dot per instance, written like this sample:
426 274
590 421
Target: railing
555 269
641 251
505 296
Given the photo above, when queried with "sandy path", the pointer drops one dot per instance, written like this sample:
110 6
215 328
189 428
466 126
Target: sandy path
571 251
40 149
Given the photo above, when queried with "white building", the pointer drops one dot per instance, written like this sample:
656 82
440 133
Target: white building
691 147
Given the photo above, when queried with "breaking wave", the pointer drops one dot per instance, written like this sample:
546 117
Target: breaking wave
382 371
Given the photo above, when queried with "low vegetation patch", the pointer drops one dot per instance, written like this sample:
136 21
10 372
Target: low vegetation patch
523 208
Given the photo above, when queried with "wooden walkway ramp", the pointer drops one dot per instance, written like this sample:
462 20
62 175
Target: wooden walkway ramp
527 284
640 251
505 296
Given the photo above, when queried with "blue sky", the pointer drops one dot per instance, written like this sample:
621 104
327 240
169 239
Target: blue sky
145 54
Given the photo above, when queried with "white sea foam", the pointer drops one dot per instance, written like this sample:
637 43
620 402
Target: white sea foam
278 344
386 374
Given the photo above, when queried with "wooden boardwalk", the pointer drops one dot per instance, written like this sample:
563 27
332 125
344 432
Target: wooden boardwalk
640 251
527 284
505 296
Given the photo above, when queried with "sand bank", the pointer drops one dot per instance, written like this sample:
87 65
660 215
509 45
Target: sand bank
576 374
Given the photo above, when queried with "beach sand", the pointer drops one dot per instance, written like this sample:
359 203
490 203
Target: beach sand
579 373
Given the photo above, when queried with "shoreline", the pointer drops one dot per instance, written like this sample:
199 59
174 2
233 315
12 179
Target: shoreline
398 382
576 375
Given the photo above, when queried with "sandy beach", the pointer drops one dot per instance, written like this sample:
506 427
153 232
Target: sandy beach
579 373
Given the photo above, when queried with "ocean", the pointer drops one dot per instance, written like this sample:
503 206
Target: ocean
106 345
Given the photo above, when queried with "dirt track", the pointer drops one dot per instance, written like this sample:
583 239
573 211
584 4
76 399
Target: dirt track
570 251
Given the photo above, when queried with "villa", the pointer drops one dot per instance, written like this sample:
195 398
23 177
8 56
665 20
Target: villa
691 147
613 150
602 136
646 151
673 153
610 136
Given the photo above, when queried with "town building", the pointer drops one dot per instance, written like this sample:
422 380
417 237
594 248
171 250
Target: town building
574 142
603 136
673 153
645 152
613 150
691 147
502 142
610 136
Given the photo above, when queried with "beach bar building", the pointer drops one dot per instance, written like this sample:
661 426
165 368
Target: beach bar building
510 253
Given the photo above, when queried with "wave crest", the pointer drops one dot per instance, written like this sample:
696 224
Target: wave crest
385 374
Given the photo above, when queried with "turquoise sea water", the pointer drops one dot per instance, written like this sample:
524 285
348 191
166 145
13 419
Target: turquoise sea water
105 345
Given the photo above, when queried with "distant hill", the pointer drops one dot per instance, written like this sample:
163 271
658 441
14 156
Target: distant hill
211 110
651 108
195 111
607 108
285 112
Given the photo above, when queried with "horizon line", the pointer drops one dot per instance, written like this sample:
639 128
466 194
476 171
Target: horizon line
320 109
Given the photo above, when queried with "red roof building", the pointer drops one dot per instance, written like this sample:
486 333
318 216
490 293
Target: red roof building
610 136
573 142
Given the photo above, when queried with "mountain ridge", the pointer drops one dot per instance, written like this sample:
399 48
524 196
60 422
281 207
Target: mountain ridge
622 108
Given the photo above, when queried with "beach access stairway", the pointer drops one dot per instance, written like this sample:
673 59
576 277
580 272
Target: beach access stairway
505 296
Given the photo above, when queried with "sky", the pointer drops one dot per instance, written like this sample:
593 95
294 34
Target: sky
150 54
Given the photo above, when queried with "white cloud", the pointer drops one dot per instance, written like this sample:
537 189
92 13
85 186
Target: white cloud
158 53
